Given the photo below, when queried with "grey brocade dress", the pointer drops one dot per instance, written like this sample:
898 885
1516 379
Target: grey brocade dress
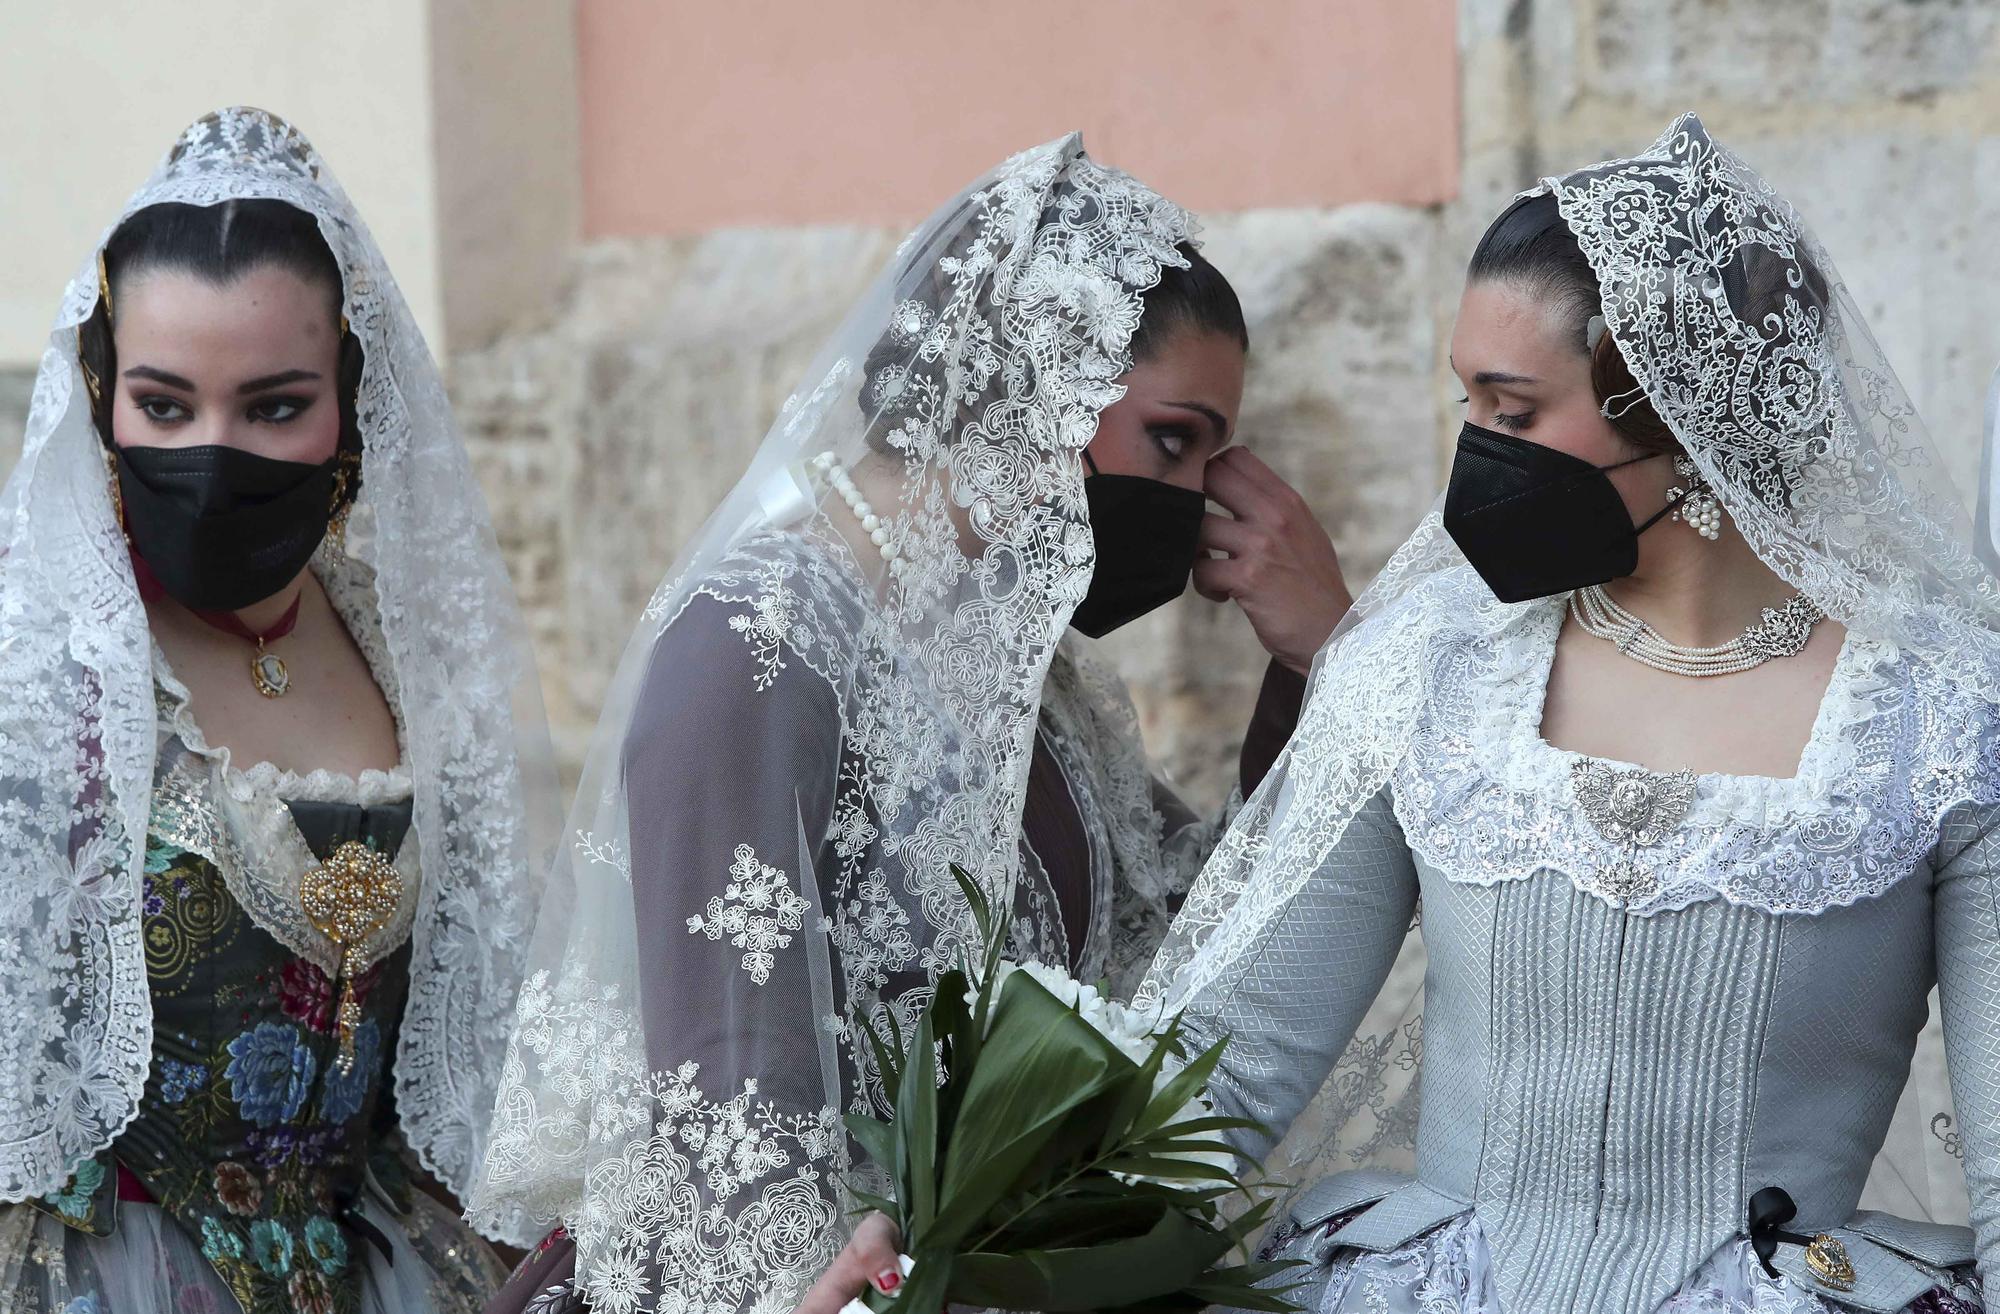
1633 1030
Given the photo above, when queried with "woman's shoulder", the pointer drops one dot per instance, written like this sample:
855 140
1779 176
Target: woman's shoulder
1919 712
1439 617
784 596
766 632
1928 697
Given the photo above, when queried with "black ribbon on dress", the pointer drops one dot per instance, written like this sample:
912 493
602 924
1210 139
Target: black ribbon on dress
350 1214
1770 1209
327 826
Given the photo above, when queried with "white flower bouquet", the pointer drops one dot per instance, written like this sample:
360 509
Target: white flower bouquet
1062 1158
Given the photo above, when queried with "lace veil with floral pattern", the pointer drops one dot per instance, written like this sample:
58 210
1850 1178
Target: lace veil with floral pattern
78 727
830 701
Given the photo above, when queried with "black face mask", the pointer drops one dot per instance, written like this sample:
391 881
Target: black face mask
1148 534
220 527
1534 521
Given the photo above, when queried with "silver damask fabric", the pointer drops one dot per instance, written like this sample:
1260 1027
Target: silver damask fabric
1607 1083
78 732
833 698
1746 342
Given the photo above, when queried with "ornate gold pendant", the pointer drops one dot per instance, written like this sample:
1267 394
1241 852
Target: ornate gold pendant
268 673
1828 1261
348 898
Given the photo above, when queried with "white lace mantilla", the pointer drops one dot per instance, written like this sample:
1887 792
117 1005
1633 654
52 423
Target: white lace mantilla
721 1198
956 398
1484 798
80 731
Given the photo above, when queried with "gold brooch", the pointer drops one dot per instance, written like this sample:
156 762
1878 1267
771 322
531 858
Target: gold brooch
348 898
1828 1261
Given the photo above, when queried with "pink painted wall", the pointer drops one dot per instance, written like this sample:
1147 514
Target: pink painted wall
698 115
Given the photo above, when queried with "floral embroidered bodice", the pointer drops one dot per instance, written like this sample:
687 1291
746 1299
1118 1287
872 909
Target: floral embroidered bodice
251 1132
254 1131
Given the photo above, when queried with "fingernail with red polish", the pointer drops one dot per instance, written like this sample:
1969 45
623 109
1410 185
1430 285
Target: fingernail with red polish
888 1280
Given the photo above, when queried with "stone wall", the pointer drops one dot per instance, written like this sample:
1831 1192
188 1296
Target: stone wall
607 438
1878 119
15 387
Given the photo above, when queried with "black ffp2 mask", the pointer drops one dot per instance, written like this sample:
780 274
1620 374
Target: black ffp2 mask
219 527
1147 534
1535 522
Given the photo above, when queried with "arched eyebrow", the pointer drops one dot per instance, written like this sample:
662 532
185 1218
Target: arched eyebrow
159 376
1489 377
277 380
1209 413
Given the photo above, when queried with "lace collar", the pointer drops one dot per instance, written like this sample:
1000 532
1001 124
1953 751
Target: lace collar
1484 798
237 818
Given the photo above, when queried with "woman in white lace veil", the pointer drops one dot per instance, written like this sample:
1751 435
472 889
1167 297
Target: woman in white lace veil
275 786
1669 1006
857 675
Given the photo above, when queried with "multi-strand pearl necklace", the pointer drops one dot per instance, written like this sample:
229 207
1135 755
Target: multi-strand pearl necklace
1782 631
828 466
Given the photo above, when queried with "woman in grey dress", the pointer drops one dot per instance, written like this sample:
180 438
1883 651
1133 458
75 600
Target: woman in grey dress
860 673
1696 778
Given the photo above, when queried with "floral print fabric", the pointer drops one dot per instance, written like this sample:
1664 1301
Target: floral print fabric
251 1138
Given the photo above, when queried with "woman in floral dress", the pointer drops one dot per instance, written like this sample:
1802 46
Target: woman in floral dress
273 778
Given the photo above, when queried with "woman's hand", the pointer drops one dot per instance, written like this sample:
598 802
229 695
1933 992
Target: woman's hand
871 1259
1279 565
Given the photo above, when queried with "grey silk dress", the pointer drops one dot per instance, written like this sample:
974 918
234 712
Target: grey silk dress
1649 997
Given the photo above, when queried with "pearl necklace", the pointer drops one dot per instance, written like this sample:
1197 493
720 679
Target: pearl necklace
828 467
1782 631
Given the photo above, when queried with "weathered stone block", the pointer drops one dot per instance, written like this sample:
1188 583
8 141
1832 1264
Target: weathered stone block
16 387
1792 53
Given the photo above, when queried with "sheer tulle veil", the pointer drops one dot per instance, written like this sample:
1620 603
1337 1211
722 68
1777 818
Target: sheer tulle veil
954 403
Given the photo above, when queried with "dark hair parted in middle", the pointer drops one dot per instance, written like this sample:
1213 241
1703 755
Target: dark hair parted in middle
217 244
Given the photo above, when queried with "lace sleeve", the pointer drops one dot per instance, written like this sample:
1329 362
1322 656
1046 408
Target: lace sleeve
694 1149
1297 999
730 764
1968 962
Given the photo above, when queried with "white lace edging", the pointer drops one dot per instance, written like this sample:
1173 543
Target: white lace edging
727 1203
243 824
82 728
1485 799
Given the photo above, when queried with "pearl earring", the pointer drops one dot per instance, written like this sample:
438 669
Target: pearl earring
1695 504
